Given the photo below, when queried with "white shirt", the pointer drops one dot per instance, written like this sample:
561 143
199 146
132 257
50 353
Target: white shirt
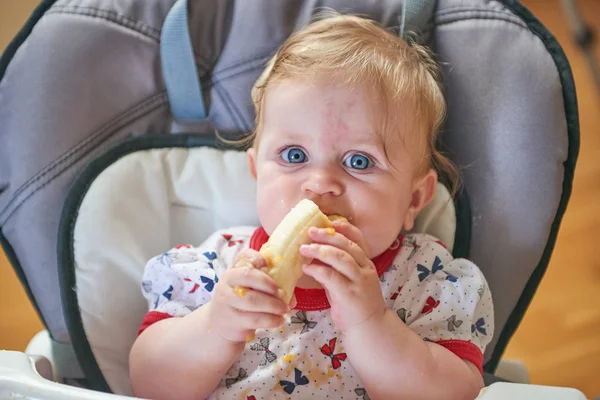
444 300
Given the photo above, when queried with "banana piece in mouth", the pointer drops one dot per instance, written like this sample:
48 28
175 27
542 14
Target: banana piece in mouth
281 251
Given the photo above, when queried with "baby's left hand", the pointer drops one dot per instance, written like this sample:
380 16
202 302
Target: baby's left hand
350 278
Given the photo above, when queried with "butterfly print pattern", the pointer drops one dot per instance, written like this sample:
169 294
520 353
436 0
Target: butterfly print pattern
299 380
437 266
395 295
165 259
480 291
268 356
147 286
209 284
479 327
301 318
453 323
392 267
195 285
242 374
211 257
361 392
412 244
403 314
430 304
336 359
229 240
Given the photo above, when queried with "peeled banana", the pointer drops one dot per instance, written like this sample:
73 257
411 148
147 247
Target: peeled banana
281 251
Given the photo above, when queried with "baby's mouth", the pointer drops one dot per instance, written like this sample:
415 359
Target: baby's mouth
336 217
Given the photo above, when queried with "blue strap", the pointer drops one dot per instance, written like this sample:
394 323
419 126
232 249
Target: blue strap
415 14
179 66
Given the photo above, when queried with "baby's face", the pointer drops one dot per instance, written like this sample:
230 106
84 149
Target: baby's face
319 142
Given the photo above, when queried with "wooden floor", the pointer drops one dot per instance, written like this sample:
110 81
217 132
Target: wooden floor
559 338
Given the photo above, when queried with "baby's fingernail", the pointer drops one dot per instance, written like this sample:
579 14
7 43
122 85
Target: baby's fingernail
242 263
280 293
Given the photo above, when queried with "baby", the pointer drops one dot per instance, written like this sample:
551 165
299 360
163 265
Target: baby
346 115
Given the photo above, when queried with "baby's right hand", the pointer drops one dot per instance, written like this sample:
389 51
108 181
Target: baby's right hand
236 314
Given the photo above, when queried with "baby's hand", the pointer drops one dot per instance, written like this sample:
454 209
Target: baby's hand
350 278
246 299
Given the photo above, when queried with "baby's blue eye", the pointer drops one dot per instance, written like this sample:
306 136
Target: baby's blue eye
293 155
358 161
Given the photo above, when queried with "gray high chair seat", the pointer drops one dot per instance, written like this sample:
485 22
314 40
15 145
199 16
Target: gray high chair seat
98 99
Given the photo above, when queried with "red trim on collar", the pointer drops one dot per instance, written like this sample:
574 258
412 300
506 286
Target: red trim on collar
316 299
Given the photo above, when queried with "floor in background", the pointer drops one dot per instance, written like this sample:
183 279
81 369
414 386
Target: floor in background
559 338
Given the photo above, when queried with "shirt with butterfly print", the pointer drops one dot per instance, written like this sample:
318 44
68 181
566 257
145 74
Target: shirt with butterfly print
444 300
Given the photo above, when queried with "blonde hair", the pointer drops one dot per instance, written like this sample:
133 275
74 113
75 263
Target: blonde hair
359 53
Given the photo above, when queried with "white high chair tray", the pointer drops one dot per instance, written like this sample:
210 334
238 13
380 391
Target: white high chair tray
20 380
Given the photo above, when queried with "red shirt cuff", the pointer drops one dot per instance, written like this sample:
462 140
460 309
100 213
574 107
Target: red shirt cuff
465 350
152 317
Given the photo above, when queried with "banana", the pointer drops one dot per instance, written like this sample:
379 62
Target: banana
281 251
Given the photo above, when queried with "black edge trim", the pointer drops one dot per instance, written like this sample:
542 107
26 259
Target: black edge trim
65 249
572 117
18 40
14 261
462 236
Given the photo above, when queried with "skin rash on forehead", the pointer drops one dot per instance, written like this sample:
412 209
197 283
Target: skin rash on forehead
334 121
330 115
334 116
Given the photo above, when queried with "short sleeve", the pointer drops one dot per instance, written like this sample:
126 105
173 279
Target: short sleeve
184 278
447 301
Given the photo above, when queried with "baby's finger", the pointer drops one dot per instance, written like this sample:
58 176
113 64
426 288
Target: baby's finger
338 240
351 232
249 258
334 257
251 278
252 320
253 301
293 301
329 278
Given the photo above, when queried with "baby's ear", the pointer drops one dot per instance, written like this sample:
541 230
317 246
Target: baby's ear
252 161
423 193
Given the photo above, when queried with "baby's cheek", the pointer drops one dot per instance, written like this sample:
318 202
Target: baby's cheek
381 237
270 215
267 219
275 199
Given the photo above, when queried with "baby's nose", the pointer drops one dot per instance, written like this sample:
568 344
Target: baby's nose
322 183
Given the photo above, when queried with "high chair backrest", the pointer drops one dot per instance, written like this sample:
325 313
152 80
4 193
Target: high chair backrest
84 75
